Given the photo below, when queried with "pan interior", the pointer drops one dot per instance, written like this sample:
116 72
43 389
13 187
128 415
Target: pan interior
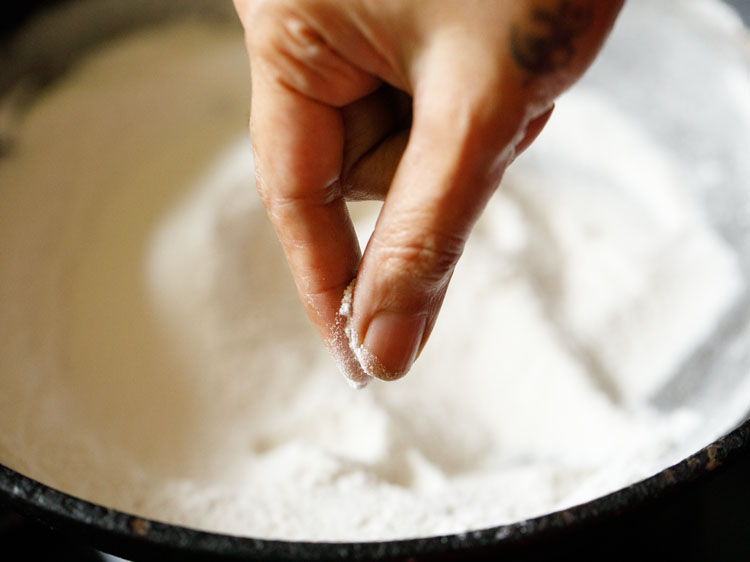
154 356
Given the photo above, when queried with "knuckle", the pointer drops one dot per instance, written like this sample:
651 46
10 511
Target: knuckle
284 29
288 41
306 189
288 203
429 257
283 38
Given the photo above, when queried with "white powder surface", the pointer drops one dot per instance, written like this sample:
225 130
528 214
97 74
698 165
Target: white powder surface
155 358
516 406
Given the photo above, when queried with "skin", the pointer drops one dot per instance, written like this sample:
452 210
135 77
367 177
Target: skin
420 103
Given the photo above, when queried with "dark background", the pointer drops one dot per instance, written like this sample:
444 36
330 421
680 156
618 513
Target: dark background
708 521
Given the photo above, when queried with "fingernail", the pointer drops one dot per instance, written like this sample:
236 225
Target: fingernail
391 344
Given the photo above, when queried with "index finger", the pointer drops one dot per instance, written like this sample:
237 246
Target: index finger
298 146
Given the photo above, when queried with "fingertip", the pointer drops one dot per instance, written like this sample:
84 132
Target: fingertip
387 346
391 344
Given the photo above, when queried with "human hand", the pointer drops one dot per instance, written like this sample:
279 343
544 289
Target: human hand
422 103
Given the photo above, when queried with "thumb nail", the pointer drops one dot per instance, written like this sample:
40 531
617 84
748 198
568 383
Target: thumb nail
391 344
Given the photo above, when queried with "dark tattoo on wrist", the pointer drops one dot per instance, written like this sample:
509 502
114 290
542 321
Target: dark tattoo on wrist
548 43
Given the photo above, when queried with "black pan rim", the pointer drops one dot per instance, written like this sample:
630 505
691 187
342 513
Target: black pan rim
122 532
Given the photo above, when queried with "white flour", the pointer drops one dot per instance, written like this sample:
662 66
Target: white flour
168 340
530 385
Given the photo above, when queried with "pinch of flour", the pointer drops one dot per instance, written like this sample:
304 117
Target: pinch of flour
349 343
367 361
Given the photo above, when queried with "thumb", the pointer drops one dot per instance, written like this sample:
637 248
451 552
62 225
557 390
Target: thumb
456 155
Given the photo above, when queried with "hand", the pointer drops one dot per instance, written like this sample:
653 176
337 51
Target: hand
422 103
